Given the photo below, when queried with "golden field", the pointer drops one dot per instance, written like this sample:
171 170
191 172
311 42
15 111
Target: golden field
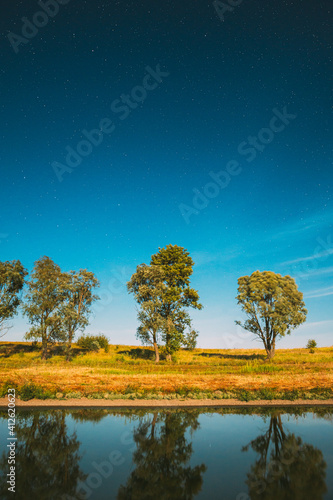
132 370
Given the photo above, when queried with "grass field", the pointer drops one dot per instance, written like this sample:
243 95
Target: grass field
130 372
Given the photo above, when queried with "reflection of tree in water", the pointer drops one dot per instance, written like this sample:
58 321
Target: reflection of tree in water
94 415
161 459
47 458
286 469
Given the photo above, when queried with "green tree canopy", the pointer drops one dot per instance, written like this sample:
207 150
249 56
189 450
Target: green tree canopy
177 266
273 304
312 344
12 275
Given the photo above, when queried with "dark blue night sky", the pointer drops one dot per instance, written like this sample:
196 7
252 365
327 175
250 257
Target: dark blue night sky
126 126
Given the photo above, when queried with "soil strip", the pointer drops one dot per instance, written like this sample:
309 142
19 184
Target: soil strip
174 403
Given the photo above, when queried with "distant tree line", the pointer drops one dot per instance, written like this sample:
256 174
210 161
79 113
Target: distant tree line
58 304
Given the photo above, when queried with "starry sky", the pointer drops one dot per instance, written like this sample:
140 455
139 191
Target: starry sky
127 126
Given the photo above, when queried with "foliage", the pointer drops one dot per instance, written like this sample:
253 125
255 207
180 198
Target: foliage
12 276
163 293
190 340
58 304
273 304
76 300
42 303
30 391
148 288
93 342
312 344
177 266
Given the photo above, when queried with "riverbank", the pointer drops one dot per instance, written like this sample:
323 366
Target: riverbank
185 403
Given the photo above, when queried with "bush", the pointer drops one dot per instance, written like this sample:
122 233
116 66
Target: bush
312 344
7 385
31 391
93 342
95 346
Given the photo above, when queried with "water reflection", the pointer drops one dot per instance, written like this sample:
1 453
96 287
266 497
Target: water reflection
47 458
161 459
165 455
286 468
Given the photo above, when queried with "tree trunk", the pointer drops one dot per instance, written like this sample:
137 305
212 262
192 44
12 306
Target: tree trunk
69 347
270 352
270 349
157 354
44 349
68 351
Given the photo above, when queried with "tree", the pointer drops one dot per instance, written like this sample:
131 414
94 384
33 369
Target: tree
76 300
273 304
312 344
148 288
163 291
12 276
177 266
191 339
43 299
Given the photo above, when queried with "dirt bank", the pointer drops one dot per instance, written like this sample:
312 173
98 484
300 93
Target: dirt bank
183 403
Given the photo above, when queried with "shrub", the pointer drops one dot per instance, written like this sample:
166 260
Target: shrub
93 342
244 395
73 395
7 385
31 391
312 344
95 346
267 394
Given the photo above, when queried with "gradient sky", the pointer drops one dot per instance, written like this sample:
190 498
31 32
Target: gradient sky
226 76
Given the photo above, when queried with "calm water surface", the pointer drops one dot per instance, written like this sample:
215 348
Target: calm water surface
267 454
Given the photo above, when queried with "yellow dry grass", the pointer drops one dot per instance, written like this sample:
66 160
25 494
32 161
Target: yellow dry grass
203 369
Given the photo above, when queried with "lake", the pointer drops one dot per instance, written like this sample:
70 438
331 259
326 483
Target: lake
236 454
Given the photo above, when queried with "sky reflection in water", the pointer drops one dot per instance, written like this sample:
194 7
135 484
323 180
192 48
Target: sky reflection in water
183 454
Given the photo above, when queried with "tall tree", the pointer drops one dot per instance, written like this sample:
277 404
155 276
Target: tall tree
42 301
163 293
273 304
148 288
12 276
177 266
77 298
